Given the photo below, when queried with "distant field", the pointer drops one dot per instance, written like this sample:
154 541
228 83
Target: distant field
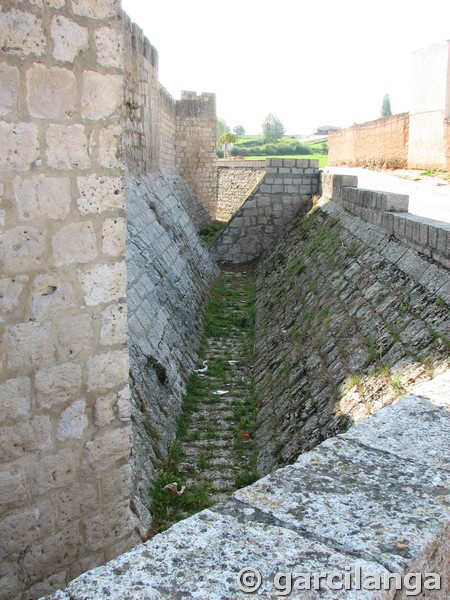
254 148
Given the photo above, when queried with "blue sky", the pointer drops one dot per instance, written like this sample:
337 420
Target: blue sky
309 63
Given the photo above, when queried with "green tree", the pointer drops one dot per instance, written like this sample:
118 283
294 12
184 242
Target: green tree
222 128
239 130
227 139
386 106
273 128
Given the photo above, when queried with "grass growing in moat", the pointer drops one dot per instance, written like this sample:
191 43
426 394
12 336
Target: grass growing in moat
230 315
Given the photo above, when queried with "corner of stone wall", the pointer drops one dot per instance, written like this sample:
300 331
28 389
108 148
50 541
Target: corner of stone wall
65 433
195 145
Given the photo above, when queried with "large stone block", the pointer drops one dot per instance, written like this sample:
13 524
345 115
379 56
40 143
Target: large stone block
107 448
15 398
106 371
114 325
12 485
109 151
96 9
57 384
109 44
67 147
99 193
21 33
53 472
42 196
102 95
74 243
10 291
9 88
69 38
103 283
51 92
72 421
74 334
29 344
51 293
113 235
20 146
25 438
24 248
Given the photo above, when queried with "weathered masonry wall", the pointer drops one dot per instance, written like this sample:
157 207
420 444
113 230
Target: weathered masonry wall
285 193
163 133
415 140
380 143
80 103
195 146
348 319
235 180
333 511
430 108
169 276
65 432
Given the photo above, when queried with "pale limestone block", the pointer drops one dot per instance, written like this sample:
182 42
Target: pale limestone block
74 334
57 384
19 144
107 448
100 193
9 579
116 522
32 436
72 421
24 248
55 552
96 9
10 292
28 344
74 243
53 472
114 325
9 89
109 153
67 147
104 410
51 92
116 483
21 33
108 370
103 283
12 485
42 197
114 233
48 3
15 398
109 44
102 95
76 501
124 404
69 38
50 293
56 581
18 530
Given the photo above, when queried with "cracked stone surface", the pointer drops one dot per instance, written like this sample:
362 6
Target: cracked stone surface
371 498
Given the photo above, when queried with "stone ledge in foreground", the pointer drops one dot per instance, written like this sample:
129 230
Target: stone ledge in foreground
374 498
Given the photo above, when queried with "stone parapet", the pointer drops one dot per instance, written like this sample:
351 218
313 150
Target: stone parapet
332 513
284 194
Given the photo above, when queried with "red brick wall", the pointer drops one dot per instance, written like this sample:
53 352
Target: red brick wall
383 142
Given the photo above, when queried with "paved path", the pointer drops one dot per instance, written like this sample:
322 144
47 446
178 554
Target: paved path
426 197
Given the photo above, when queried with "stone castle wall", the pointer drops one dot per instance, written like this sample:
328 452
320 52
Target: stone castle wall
65 431
415 140
81 104
380 143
